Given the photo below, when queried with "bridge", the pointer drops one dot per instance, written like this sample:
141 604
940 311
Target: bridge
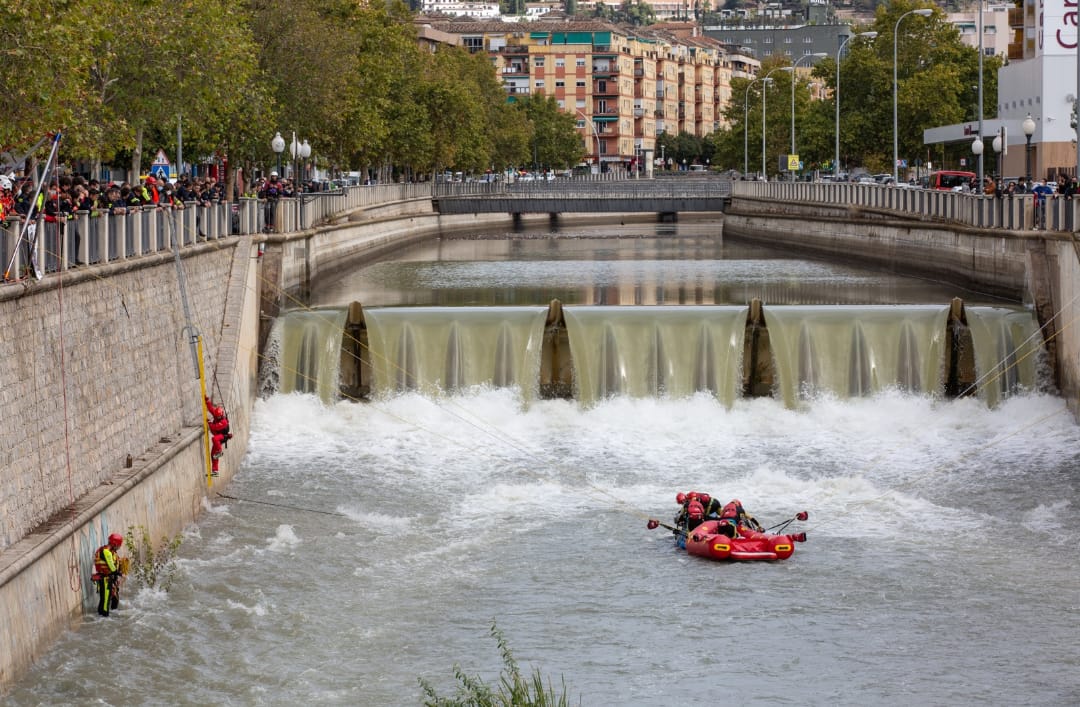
662 196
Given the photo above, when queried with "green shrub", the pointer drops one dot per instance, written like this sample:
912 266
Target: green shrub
514 690
151 566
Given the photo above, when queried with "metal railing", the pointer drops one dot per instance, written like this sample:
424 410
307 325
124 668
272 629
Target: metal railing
92 237
1016 212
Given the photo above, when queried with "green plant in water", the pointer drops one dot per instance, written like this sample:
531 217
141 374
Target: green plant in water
514 690
151 566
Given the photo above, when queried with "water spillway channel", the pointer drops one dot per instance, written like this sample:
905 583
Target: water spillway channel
590 353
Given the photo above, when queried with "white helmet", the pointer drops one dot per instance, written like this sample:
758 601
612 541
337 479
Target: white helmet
5 182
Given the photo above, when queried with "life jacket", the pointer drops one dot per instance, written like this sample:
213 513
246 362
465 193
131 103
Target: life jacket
104 565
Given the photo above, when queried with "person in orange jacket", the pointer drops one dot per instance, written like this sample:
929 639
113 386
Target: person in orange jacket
219 433
107 574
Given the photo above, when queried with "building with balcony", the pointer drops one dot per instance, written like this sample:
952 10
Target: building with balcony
626 87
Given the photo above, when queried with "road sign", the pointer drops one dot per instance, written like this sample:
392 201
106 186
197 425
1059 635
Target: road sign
793 163
161 171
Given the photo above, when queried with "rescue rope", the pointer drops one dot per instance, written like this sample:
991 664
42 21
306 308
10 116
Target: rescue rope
282 505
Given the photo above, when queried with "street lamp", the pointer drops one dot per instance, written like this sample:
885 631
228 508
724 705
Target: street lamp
1029 130
746 127
836 157
305 152
922 12
596 135
278 146
977 148
999 145
794 76
979 154
764 171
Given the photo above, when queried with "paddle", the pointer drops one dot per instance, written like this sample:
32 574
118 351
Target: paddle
779 527
653 524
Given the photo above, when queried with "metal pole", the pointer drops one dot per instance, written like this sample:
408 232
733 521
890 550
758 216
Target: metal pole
836 155
924 12
746 127
981 172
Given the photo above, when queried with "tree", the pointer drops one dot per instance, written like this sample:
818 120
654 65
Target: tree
555 139
43 63
937 76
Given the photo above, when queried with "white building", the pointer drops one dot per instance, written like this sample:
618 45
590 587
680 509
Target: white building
1039 80
457 8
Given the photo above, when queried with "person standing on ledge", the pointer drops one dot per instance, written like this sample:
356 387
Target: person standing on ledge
107 574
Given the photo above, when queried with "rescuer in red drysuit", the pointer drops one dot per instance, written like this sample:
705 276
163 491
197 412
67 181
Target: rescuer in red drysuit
219 433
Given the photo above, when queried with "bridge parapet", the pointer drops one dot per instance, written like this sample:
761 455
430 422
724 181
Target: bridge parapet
1017 212
594 196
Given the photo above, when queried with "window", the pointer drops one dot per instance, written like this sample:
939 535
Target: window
580 62
560 63
539 84
787 40
560 84
538 61
767 40
581 84
473 44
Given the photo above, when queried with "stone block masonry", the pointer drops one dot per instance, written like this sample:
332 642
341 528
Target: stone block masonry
95 368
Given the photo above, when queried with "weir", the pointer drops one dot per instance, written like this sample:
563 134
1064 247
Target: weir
589 353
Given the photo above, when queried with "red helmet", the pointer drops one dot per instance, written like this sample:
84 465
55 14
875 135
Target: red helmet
680 498
116 539
705 498
695 510
693 495
730 511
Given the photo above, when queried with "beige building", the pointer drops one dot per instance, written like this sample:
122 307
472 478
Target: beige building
625 88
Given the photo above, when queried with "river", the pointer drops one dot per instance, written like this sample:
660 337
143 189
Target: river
363 547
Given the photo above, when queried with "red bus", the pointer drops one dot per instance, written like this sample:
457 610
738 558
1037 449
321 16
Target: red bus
947 180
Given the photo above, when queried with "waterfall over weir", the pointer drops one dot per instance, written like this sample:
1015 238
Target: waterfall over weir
594 352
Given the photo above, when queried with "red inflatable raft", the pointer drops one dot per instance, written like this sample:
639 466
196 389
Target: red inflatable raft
708 540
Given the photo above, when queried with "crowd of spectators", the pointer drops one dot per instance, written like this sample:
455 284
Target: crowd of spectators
65 195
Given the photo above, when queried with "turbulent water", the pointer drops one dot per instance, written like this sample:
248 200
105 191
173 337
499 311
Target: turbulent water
366 547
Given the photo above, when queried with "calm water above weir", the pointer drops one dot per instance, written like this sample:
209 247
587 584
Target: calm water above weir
375 543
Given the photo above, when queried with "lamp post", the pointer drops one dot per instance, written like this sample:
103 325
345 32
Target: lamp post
1029 130
977 148
998 144
596 135
305 152
764 89
979 137
922 12
794 78
836 157
278 146
746 127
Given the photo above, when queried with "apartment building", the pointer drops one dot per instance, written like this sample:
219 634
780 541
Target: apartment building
625 87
